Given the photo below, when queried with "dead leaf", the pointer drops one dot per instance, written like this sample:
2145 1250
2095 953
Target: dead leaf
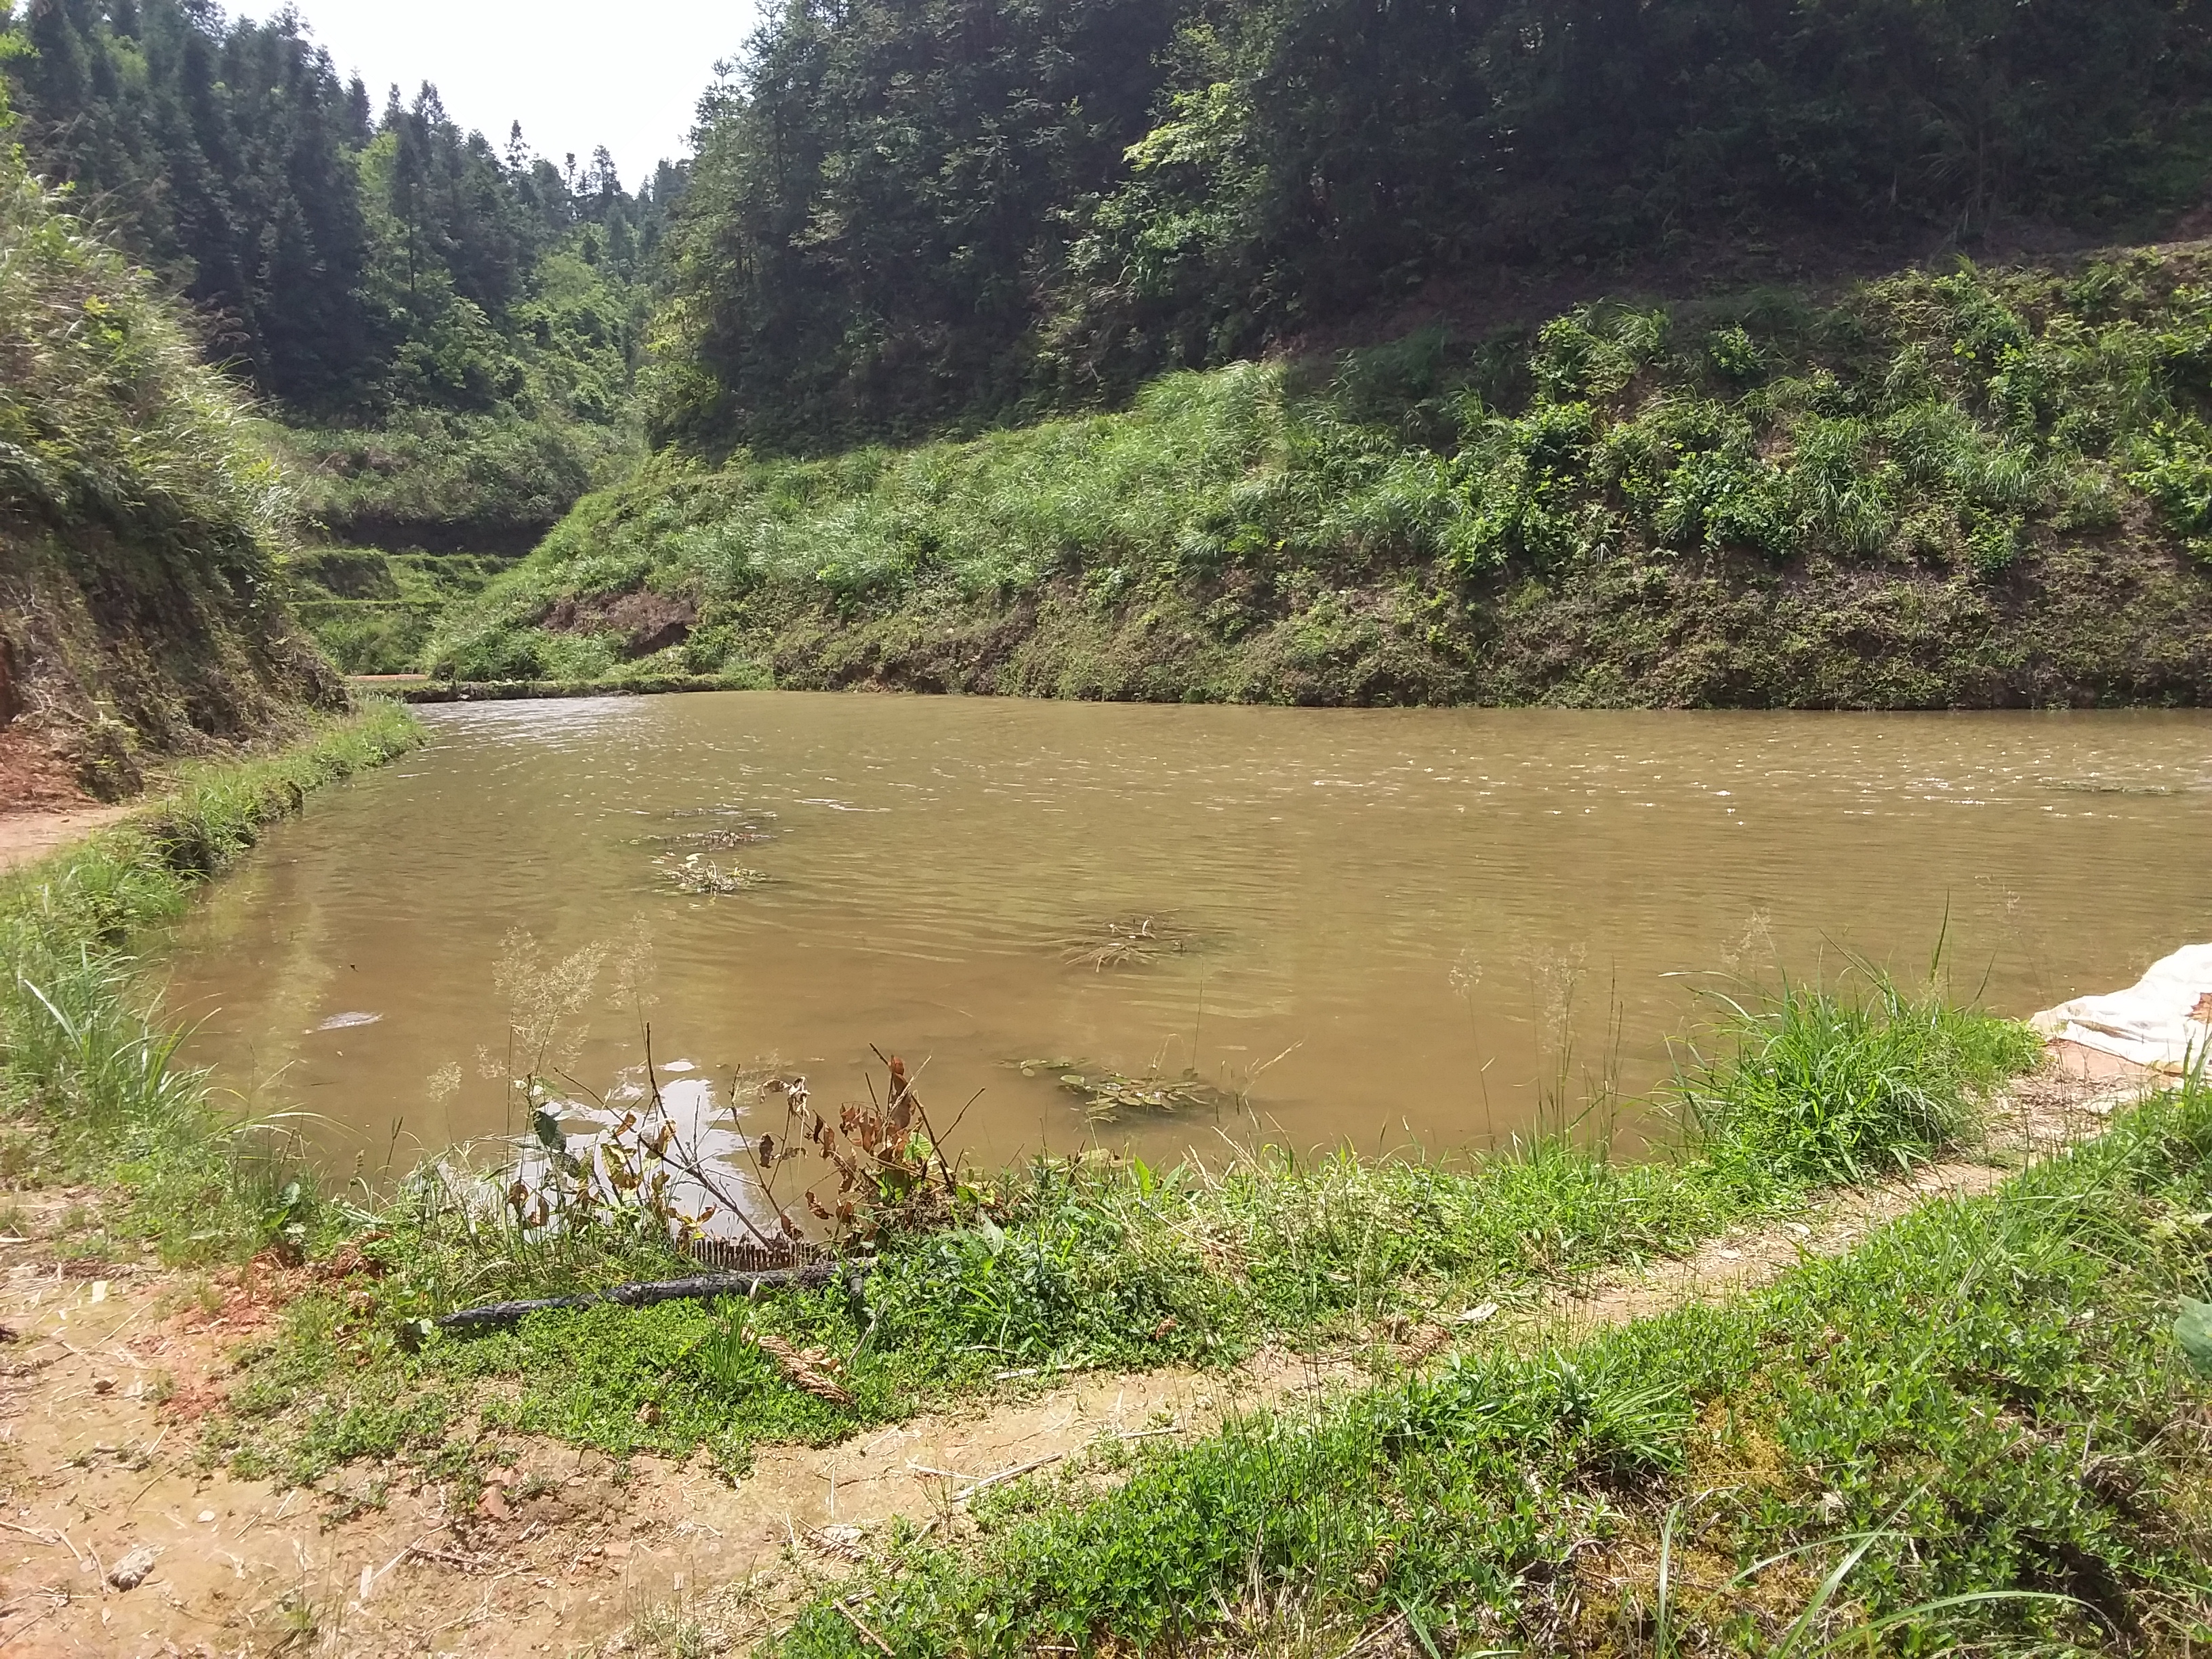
808 1369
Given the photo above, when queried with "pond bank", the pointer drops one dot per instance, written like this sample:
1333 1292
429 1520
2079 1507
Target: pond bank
1824 500
111 1377
89 1086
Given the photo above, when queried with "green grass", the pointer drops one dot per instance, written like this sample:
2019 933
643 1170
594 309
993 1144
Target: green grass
1078 1265
89 1075
451 480
1977 1422
372 611
1885 497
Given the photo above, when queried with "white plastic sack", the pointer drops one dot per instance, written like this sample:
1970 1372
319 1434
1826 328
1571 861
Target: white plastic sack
2165 1022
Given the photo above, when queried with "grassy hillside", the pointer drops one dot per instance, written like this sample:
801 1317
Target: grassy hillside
371 610
1979 488
141 519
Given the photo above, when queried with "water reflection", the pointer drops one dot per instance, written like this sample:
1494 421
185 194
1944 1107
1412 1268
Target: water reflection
1386 924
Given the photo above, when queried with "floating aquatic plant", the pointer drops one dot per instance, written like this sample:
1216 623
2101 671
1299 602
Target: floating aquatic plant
725 839
1126 942
1106 1095
697 874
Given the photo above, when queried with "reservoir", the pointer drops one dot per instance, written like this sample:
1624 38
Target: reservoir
1313 926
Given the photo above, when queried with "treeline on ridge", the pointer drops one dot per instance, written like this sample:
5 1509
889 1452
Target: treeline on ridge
912 216
455 327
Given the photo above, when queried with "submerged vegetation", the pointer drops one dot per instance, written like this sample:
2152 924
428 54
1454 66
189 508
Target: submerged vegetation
1977 488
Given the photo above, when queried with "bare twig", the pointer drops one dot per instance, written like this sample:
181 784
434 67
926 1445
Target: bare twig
1004 1475
881 1645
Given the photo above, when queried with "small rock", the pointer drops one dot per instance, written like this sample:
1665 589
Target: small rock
493 1505
103 1385
131 1571
206 1515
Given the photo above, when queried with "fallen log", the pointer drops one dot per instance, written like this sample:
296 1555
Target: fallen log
651 1292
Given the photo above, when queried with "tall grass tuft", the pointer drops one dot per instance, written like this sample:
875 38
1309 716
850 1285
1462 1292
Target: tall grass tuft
1824 1086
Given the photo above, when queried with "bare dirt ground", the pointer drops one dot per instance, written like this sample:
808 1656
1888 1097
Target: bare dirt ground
41 807
28 835
105 1373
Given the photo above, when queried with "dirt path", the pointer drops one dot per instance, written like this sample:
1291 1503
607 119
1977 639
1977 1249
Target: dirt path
103 1379
26 835
42 806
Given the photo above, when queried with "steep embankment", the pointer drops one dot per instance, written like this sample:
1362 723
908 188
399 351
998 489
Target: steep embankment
142 611
1981 488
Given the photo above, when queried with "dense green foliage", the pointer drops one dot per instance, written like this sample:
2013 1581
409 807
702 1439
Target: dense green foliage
457 326
352 265
372 611
107 415
1979 487
1079 1265
1976 1423
88 1076
910 214
142 520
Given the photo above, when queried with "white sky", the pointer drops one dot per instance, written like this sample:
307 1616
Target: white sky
576 73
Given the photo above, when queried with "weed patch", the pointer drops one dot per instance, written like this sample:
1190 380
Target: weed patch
1975 1428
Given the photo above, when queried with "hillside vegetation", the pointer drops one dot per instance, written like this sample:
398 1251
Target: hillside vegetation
445 332
1979 487
140 520
912 216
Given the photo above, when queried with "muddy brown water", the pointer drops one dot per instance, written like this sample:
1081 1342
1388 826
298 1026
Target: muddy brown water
1368 926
